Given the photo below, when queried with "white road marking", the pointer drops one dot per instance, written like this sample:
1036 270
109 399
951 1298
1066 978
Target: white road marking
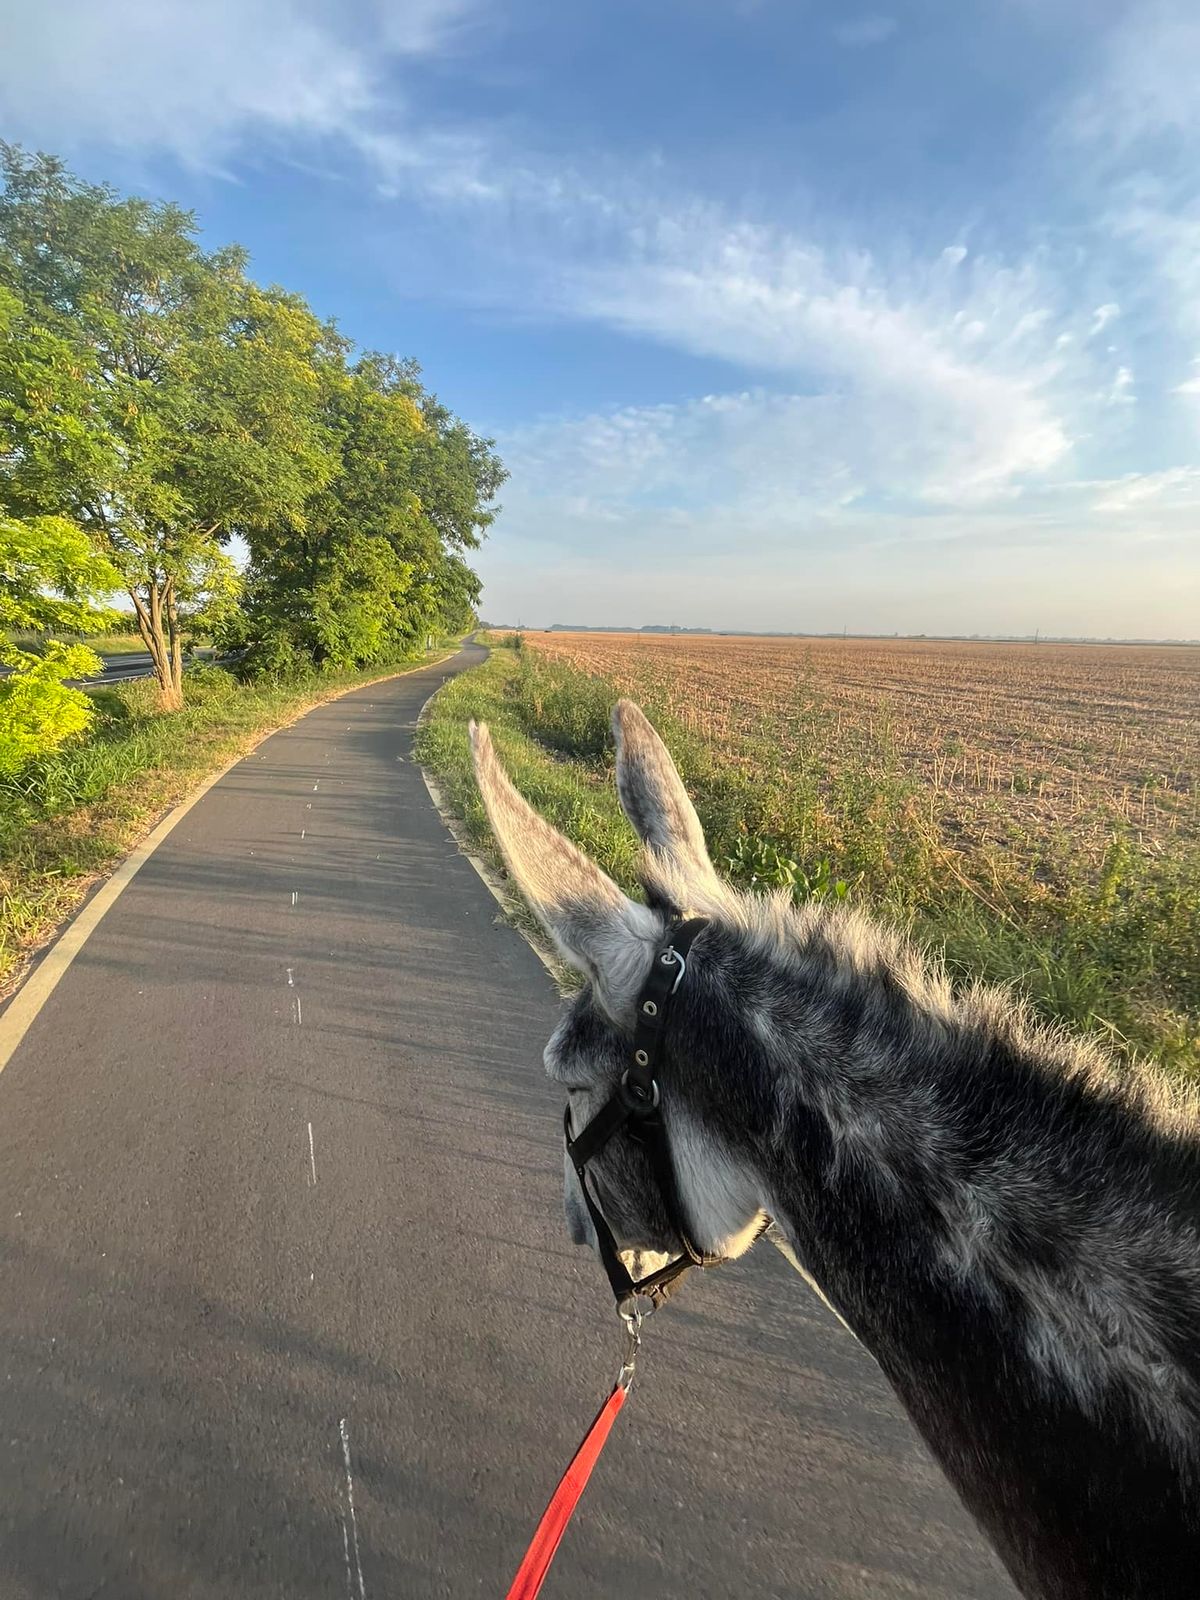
291 980
293 897
316 786
296 1010
346 1553
303 831
312 1156
362 1593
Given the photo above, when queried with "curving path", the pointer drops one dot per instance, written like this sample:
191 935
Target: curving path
208 1315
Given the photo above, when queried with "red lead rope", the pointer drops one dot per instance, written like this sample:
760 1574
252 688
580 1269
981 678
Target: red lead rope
532 1572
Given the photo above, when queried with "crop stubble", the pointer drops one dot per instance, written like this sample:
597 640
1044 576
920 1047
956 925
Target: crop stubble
1009 742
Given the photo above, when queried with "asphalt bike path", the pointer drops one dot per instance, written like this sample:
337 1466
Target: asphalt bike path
287 1307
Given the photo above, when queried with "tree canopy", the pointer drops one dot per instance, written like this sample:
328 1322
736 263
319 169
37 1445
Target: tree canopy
374 563
160 402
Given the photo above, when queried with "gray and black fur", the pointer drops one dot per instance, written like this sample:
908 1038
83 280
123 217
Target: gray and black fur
1007 1222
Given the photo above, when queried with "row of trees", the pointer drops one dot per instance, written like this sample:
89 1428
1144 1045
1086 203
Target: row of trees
155 402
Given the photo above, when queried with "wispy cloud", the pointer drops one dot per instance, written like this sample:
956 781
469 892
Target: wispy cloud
960 358
1102 316
1134 133
787 468
198 78
1178 488
1145 87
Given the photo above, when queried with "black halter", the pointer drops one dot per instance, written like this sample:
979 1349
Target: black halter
635 1103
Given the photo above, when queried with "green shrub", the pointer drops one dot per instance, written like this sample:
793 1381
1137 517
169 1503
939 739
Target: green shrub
38 711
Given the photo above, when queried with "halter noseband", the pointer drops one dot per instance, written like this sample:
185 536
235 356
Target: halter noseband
636 1104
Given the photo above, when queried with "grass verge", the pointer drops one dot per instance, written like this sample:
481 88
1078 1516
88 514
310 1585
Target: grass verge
1113 950
67 819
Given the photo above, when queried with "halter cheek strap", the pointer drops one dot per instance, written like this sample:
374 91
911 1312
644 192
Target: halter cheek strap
635 1105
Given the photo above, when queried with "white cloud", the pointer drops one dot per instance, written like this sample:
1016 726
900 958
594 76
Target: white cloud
963 368
197 78
1178 486
424 27
1120 391
858 33
1133 139
974 366
759 456
775 460
760 510
1162 223
1145 88
786 467
947 368
1102 316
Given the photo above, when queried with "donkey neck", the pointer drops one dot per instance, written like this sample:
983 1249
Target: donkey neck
1007 1226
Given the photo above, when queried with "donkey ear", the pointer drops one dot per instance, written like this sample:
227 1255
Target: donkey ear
598 929
657 804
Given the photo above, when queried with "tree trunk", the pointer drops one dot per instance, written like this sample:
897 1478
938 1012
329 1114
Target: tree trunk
175 639
150 626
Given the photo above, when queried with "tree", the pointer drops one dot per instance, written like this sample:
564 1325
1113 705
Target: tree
50 579
193 405
455 474
373 565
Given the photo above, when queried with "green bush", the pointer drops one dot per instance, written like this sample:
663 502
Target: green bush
38 711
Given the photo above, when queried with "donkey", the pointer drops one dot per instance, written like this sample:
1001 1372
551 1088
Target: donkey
1009 1224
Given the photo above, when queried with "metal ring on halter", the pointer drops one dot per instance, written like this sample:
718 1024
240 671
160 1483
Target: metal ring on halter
634 1098
634 1309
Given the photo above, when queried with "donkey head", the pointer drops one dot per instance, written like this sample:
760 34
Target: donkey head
612 940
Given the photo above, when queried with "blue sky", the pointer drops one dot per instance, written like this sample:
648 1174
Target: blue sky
783 314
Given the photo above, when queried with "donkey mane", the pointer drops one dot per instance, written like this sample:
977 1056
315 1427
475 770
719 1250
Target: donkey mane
1006 1218
851 947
